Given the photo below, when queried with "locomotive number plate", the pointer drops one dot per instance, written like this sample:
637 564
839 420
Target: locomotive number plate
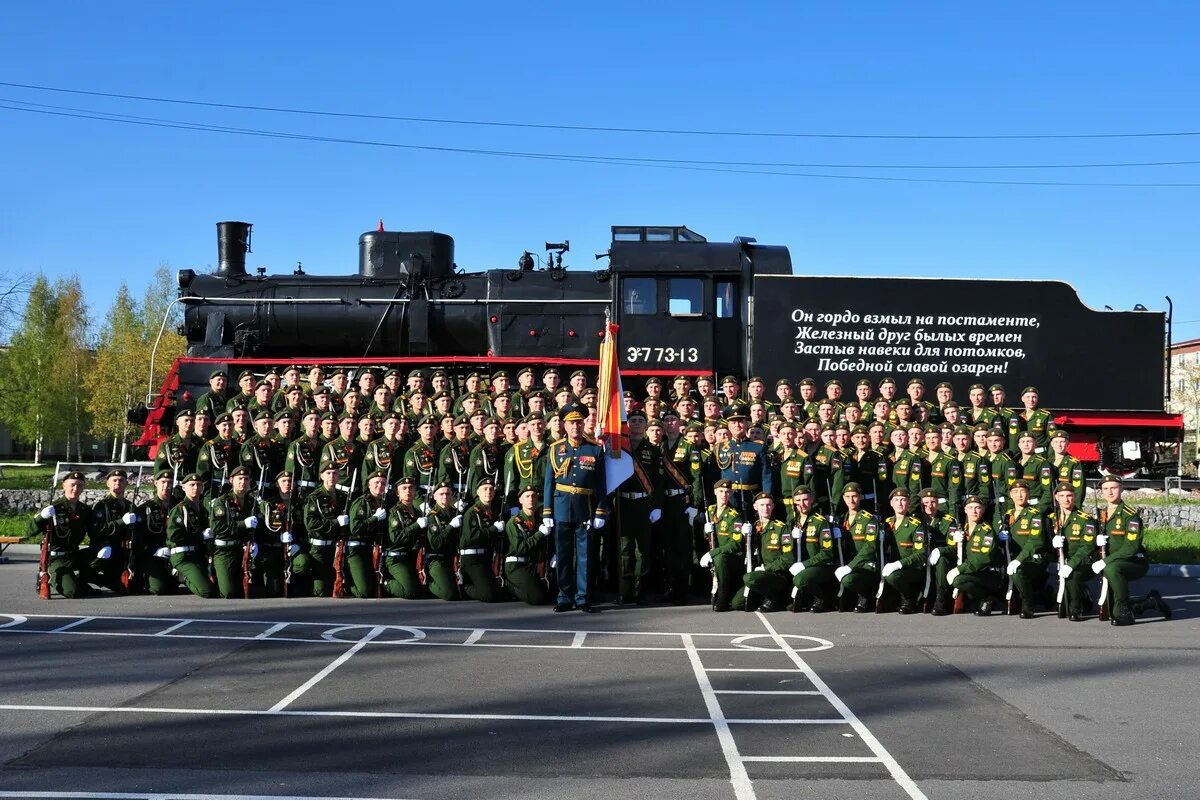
662 355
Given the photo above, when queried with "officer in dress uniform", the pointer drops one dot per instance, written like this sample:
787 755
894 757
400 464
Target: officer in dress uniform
368 527
576 503
742 461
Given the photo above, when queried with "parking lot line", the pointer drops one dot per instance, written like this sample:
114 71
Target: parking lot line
69 625
337 662
169 796
766 691
743 789
815 759
171 629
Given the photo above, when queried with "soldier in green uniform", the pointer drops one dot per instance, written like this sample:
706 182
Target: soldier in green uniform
678 517
187 536
441 526
818 551
326 520
827 476
480 544
1029 535
980 572
1032 419
246 384
1075 540
304 456
861 465
728 543
969 473
1123 556
526 549
277 536
1066 468
943 554
233 518
421 460
179 452
112 535
217 456
936 471
767 586
385 453
153 569
860 576
487 459
904 573
1036 472
214 400
344 453
368 527
1004 471
404 535
261 456
454 459
67 522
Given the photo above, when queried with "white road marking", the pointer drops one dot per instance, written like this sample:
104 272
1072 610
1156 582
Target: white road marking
244 712
475 636
271 631
816 759
173 628
743 789
14 620
766 691
745 669
170 796
69 625
897 772
578 639
337 662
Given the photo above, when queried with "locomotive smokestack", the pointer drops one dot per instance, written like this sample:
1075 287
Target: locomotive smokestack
233 242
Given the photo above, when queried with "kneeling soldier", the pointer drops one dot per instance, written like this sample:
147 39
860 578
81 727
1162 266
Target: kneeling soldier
64 524
368 525
441 536
943 554
905 573
1075 540
112 537
400 575
326 522
1028 533
861 575
770 582
980 571
1123 556
153 564
818 550
478 543
527 540
187 536
234 518
727 542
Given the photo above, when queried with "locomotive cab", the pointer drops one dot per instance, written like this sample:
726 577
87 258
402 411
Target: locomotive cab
684 304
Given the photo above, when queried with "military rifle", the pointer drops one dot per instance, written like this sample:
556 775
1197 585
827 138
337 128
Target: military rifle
960 600
339 553
43 576
883 531
1062 581
377 554
128 574
1102 612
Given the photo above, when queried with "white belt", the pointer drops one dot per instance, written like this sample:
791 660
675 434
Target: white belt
307 484
343 487
427 487
472 551
226 542
674 492
355 543
634 495
515 560
322 542
176 550
395 553
58 553
870 496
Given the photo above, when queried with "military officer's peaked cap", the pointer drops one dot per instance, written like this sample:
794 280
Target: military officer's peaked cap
722 484
1021 484
972 499
190 477
186 412
929 493
218 373
406 480
115 473
852 486
897 493
1064 487
572 411
1029 389
737 412
233 473
162 473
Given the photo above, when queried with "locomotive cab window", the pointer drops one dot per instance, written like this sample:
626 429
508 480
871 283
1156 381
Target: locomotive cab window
726 292
686 298
639 296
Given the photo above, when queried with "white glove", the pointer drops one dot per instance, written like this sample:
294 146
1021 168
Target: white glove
343 520
554 561
206 534
1065 571
956 537
545 529
499 526
547 525
796 568
460 504
709 527
1056 542
760 568
952 575
293 549
598 523
104 552
128 518
513 511
706 560
935 555
286 538
47 513
250 522
796 532
691 515
425 507
422 522
254 549
890 567
162 552
841 572
457 521
380 513
655 514
1013 565
1102 540
1098 566
747 529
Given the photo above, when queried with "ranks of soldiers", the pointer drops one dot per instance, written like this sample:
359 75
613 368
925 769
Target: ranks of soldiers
323 481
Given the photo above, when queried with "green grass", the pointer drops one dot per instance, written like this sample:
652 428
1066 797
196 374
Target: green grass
1186 500
1173 546
35 478
13 524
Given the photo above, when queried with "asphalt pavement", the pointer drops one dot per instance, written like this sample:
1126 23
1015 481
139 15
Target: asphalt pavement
177 697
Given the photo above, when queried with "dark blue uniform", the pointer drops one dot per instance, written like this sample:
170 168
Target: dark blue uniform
744 465
574 492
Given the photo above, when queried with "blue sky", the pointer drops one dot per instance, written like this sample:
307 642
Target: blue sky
111 202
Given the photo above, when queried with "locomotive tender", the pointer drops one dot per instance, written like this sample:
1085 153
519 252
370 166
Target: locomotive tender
689 306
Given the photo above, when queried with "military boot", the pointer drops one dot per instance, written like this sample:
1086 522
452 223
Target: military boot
1076 614
941 605
986 606
1122 615
1152 602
